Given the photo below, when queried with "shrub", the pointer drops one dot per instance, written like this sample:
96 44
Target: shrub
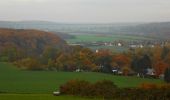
164 86
29 64
4 59
76 87
107 90
151 86
141 94
103 88
148 86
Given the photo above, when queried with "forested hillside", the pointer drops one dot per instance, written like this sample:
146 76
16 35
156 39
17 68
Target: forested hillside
29 41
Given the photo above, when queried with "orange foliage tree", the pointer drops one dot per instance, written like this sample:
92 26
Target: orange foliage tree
160 67
121 60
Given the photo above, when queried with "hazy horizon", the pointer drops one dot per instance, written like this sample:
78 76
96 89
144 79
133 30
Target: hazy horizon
85 11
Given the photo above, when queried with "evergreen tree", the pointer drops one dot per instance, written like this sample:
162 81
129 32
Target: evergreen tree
167 75
165 52
140 65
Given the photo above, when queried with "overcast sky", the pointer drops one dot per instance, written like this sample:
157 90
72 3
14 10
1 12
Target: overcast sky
93 11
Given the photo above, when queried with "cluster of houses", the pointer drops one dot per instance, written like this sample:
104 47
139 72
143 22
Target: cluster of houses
127 44
149 73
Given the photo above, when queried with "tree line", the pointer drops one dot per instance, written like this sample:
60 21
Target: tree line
77 57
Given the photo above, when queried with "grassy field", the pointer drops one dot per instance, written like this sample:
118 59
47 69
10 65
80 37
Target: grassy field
13 80
106 38
41 97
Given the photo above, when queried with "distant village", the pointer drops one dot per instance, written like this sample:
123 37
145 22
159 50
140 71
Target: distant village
126 44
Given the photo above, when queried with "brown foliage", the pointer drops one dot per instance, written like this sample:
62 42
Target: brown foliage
29 40
107 90
121 60
103 88
151 86
160 67
148 86
29 64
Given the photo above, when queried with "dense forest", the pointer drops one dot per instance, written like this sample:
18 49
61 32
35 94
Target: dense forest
29 41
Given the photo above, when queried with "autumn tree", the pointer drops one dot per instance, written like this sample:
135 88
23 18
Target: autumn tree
30 64
121 60
61 62
160 67
165 52
11 54
104 59
49 53
51 64
167 59
157 54
65 62
126 70
85 59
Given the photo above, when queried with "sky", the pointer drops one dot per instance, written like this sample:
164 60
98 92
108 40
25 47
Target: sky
85 11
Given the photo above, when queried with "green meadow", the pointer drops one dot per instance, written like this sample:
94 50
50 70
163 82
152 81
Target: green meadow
107 38
89 38
13 80
17 84
41 97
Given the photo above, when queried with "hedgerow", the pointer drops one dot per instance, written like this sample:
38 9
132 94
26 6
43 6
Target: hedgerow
108 90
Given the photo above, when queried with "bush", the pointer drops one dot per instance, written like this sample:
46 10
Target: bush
103 88
152 86
76 87
4 59
107 90
142 94
164 86
29 64
148 86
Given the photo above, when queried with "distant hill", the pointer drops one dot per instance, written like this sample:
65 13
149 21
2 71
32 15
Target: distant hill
33 41
66 27
158 29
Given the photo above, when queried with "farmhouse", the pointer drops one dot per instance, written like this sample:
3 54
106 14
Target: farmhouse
150 71
119 44
117 71
56 93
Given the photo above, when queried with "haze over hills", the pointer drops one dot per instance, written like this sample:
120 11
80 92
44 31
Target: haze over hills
158 28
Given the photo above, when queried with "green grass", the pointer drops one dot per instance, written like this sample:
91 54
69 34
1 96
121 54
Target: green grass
13 80
40 97
106 38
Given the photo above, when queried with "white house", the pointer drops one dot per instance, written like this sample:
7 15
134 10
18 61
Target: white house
97 51
56 93
150 71
119 44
